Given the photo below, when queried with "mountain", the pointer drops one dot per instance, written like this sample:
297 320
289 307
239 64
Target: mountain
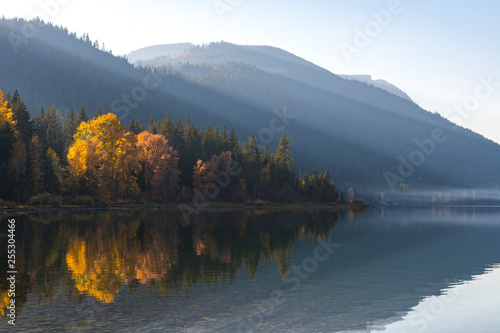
382 84
362 133
151 52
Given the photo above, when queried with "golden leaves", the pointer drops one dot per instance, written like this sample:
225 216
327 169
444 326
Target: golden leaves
6 114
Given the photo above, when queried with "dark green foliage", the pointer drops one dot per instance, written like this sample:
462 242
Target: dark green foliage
333 121
166 128
46 199
69 129
7 183
235 145
192 152
263 175
22 117
317 187
81 116
52 127
99 112
152 126
134 127
6 143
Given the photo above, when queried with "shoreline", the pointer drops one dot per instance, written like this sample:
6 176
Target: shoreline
224 206
173 207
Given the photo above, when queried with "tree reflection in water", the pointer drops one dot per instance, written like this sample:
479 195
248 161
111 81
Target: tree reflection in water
97 254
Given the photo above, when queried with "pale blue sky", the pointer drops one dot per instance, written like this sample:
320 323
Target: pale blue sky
436 51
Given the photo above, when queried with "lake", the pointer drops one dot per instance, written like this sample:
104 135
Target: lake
381 270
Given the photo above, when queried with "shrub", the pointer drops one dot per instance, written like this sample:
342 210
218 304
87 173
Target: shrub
357 202
46 199
7 204
81 200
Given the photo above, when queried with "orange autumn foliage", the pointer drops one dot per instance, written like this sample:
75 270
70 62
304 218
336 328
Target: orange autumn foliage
160 164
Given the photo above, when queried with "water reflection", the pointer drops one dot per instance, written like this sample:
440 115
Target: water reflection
468 306
97 254
148 270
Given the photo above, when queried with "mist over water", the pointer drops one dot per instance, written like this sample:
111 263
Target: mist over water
447 196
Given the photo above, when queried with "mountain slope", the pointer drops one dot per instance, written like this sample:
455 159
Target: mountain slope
382 84
151 52
356 121
358 131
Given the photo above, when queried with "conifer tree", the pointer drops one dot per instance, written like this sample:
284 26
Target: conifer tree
134 127
7 131
98 113
166 129
35 155
152 126
21 115
234 145
284 153
80 117
54 131
69 129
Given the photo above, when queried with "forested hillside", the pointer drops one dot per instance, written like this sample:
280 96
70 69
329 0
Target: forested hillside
359 132
99 160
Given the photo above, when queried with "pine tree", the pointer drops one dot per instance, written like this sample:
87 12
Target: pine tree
166 129
134 127
80 117
53 172
35 155
252 166
235 145
251 153
178 138
40 126
208 143
152 126
7 139
54 131
284 153
99 112
21 115
224 140
191 153
69 129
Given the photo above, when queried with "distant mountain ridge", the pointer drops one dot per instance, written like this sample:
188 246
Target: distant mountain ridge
163 56
382 84
151 52
358 131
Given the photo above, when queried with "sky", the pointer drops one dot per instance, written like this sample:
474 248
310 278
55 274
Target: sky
444 54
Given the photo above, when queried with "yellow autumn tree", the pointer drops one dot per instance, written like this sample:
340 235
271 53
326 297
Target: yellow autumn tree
6 114
4 301
104 155
7 131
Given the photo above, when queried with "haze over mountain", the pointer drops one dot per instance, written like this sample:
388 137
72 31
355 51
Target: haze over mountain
362 133
163 55
383 84
151 52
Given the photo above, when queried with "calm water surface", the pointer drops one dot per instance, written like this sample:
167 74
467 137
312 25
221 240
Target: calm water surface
390 270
